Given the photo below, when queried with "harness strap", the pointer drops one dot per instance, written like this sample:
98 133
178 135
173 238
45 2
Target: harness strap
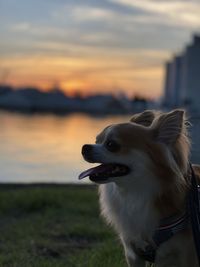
194 211
167 229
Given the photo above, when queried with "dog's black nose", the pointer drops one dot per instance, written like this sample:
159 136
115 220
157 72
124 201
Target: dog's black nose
86 149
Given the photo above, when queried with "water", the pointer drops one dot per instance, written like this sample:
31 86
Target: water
46 148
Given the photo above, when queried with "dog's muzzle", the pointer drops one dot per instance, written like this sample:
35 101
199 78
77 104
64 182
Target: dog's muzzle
87 152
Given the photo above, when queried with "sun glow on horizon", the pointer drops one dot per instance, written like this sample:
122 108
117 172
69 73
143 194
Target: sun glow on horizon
84 47
86 76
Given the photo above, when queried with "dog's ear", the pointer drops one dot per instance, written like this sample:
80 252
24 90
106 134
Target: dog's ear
168 127
145 118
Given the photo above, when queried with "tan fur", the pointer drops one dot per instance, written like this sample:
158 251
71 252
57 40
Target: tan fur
155 145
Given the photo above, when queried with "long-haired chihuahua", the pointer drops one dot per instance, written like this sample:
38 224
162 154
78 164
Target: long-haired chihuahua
144 183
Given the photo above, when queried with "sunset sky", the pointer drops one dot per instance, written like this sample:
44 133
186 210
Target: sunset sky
93 45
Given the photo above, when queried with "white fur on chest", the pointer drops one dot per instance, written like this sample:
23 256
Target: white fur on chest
131 214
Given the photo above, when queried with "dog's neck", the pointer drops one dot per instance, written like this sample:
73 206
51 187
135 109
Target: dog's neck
173 196
136 206
133 214
167 201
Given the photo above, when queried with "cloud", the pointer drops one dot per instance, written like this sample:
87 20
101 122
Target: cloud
21 27
107 42
180 12
84 13
138 24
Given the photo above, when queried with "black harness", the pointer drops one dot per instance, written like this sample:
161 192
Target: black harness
172 225
194 211
167 229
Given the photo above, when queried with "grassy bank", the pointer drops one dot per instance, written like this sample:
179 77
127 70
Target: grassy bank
55 226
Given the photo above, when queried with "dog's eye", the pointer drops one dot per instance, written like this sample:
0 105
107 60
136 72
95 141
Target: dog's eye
112 146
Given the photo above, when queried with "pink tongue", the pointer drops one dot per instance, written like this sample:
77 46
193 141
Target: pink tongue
86 173
90 171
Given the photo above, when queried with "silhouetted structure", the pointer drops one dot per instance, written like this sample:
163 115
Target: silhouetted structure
182 80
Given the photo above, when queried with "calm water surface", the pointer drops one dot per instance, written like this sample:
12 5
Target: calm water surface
46 148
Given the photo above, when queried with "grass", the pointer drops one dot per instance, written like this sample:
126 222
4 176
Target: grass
55 226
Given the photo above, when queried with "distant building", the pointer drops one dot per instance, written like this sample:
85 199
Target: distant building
182 79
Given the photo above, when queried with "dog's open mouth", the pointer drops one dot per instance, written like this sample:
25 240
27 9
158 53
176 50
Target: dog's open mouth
104 171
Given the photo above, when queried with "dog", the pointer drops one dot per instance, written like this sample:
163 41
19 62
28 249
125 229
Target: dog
144 180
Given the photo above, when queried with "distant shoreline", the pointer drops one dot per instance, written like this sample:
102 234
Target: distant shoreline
30 100
54 185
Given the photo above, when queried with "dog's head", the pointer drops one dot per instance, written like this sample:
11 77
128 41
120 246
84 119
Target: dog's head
148 145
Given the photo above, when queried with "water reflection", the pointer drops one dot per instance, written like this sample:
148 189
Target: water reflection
45 148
